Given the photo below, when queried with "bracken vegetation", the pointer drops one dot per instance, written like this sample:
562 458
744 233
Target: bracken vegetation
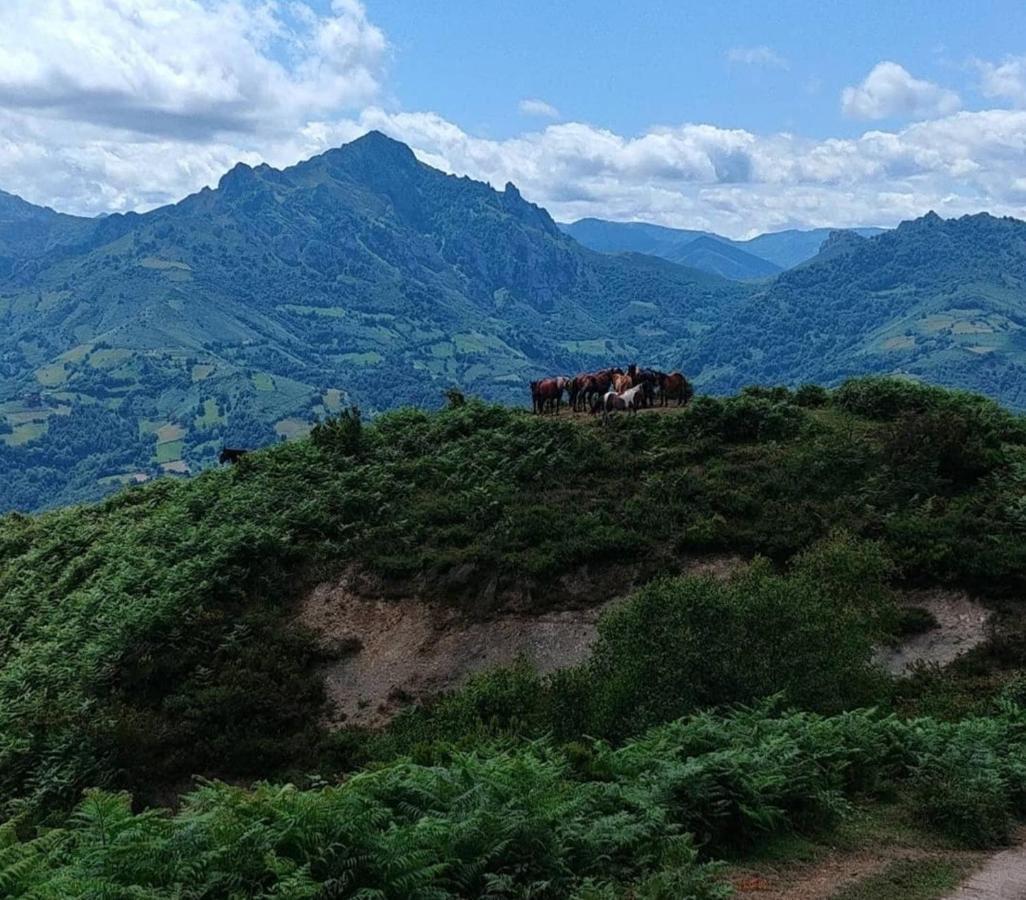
152 638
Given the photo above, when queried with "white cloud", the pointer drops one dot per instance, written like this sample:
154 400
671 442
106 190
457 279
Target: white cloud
185 68
757 56
128 124
535 107
1006 79
735 181
890 91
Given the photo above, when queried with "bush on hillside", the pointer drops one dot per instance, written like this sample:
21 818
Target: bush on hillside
680 644
957 447
887 399
775 393
882 397
811 396
744 419
962 787
340 434
533 818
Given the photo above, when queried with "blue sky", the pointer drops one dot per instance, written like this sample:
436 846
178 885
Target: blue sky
628 66
738 118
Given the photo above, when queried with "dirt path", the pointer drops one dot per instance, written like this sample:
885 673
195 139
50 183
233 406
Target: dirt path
1003 877
812 881
962 623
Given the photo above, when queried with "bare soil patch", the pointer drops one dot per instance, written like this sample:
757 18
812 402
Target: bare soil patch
962 623
395 644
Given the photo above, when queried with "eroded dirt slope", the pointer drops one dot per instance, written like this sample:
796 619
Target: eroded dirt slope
395 647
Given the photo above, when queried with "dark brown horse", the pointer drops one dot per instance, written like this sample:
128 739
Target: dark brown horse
675 386
231 455
649 379
594 384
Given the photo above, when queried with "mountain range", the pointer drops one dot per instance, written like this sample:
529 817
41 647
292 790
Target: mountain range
139 344
134 343
759 257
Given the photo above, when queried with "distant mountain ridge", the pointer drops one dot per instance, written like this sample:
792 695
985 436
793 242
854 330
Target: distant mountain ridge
758 257
939 300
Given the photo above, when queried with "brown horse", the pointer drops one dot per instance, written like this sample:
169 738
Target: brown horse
675 386
622 383
593 384
547 393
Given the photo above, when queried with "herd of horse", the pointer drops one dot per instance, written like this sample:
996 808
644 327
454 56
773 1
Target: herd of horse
610 390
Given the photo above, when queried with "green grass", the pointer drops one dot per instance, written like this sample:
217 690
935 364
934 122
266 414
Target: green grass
211 414
292 428
169 451
24 433
370 358
263 382
911 879
76 354
169 432
150 262
109 358
52 375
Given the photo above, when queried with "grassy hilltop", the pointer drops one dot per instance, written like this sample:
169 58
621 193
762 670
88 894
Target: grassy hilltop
153 637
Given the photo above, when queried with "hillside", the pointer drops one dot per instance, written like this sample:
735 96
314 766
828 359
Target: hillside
943 301
789 248
709 254
701 250
163 634
765 254
137 344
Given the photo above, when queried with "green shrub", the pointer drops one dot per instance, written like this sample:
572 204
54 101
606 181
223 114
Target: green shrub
684 643
811 396
914 620
882 397
744 419
958 446
961 791
775 394
340 434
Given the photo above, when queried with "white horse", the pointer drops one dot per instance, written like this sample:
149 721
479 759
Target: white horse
611 402
633 398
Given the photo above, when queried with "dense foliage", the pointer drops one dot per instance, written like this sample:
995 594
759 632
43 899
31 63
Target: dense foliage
535 820
142 639
938 300
151 638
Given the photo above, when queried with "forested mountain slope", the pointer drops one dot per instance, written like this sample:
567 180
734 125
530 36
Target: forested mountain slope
941 300
136 343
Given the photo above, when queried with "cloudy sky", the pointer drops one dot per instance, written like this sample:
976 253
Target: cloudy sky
758 117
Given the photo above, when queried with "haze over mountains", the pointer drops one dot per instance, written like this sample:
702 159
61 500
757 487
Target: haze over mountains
758 257
136 344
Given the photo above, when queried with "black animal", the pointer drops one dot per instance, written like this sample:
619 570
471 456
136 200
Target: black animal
231 455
